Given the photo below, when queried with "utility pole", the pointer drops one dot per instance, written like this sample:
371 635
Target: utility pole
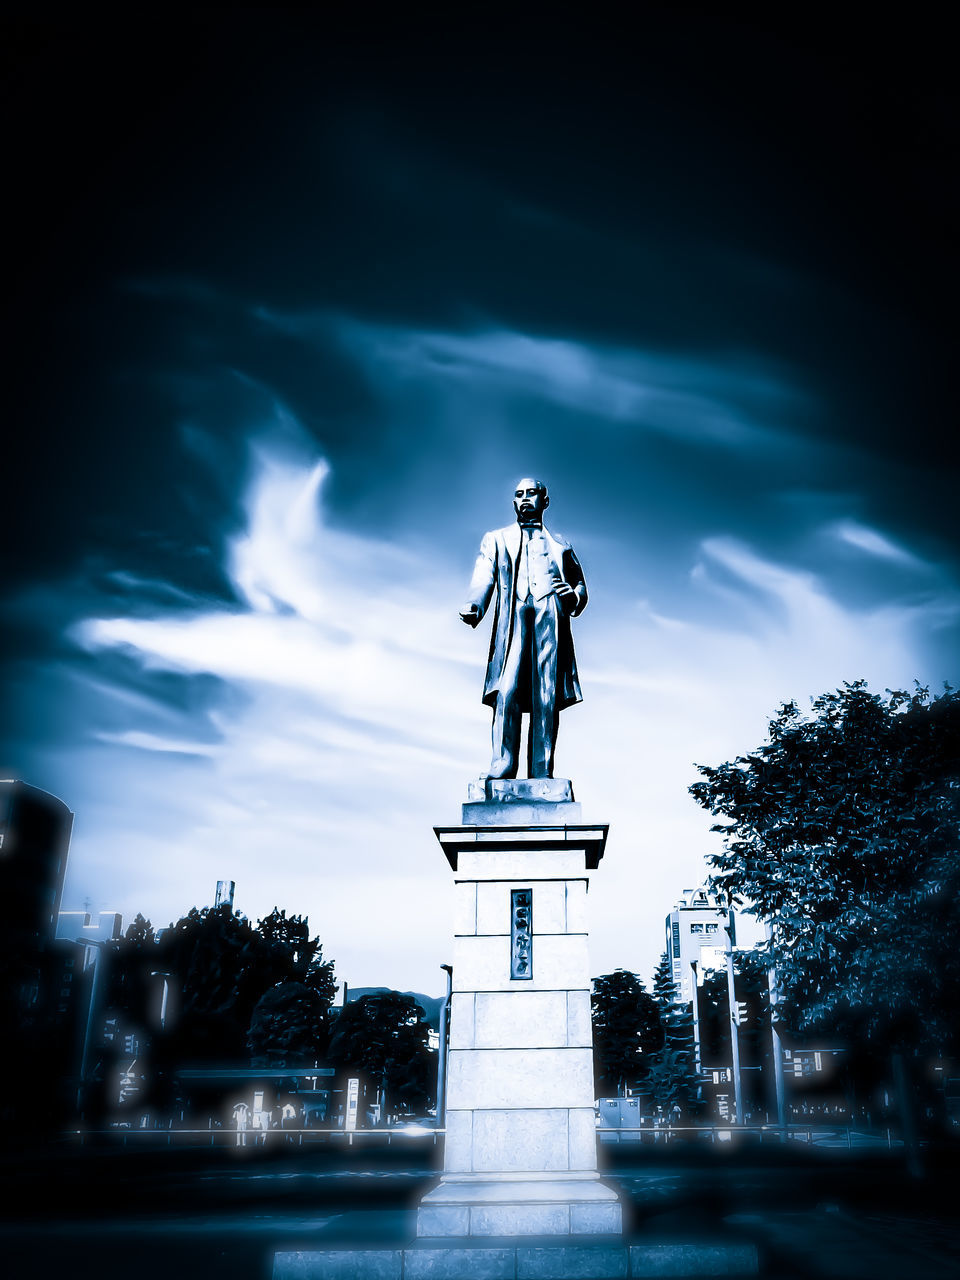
776 1048
695 1005
734 1022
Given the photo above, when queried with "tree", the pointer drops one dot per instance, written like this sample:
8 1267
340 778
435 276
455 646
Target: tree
626 1031
299 959
842 829
296 955
219 972
221 967
141 933
672 1079
288 1027
130 963
384 1038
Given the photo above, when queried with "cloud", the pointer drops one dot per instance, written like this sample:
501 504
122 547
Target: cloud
738 403
303 731
355 626
874 543
154 742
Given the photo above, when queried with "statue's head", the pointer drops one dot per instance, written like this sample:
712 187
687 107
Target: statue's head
530 500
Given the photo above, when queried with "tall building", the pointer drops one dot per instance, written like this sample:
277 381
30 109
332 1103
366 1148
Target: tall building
35 832
697 935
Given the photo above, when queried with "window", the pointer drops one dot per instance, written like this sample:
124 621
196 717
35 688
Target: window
696 928
676 937
711 928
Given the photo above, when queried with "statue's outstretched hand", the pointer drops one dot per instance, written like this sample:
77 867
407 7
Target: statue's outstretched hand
470 615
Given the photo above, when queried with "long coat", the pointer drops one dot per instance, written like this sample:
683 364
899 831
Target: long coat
496 570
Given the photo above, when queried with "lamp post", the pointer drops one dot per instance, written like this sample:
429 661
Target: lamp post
442 1056
95 951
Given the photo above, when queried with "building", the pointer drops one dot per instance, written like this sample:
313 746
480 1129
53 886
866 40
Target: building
79 926
35 832
699 932
225 892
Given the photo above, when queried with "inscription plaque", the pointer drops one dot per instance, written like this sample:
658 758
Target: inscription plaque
521 933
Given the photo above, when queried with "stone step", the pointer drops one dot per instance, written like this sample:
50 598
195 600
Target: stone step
428 1260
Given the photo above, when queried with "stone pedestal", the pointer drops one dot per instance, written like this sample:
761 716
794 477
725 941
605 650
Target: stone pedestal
520 1195
521 1148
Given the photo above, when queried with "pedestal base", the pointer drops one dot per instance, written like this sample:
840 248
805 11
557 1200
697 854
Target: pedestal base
531 1261
527 1207
501 802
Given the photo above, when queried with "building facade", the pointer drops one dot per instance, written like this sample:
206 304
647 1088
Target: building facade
35 832
699 932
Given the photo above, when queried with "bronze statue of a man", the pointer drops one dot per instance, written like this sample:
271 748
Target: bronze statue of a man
539 587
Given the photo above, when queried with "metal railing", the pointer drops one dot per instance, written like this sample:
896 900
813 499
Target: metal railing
255 1137
812 1134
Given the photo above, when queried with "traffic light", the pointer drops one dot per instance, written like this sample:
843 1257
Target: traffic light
741 1015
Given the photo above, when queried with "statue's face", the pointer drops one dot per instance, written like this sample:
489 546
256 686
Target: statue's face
530 500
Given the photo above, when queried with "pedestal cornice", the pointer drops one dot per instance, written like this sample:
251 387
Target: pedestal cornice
590 838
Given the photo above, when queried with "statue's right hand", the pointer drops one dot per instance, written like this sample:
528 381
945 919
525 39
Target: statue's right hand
470 615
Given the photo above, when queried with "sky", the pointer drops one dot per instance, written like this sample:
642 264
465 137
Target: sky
293 304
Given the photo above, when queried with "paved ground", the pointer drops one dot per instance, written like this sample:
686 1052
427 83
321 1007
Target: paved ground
176 1214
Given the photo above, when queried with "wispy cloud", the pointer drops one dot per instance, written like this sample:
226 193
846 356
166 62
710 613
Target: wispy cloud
302 732
875 543
737 403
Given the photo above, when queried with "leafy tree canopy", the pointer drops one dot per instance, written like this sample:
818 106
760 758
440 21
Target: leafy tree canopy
295 953
843 830
626 1030
672 1080
221 966
289 1027
384 1037
140 933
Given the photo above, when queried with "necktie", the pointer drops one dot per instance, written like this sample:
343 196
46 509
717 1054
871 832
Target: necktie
525 583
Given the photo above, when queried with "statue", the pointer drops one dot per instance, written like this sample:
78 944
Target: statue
539 587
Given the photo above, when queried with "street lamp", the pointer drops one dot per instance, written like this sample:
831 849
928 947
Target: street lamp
442 1056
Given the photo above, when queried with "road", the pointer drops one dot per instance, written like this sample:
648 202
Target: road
179 1214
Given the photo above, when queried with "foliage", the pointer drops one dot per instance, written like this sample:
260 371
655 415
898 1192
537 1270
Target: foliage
383 1038
626 1030
220 967
295 953
140 933
843 830
664 987
672 1079
288 1027
132 990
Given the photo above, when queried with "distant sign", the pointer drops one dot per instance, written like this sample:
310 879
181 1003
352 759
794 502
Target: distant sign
711 959
353 1099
